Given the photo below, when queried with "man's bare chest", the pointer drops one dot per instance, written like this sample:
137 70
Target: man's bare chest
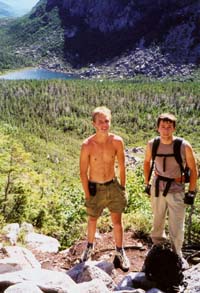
102 153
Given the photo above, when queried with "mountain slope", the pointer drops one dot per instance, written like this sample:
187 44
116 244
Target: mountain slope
32 38
61 32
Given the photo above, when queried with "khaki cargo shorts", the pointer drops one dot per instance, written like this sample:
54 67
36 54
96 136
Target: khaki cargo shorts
112 196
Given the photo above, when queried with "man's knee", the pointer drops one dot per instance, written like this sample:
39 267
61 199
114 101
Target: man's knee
92 219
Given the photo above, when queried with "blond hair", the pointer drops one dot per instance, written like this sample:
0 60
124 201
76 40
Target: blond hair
101 110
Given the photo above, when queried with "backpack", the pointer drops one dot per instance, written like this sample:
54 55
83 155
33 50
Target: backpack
164 267
177 154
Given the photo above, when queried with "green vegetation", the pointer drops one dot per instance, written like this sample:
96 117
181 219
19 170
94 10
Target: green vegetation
42 126
28 40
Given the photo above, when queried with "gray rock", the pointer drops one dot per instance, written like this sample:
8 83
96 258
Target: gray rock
46 280
77 270
11 232
26 228
93 286
192 278
24 287
87 271
9 265
41 242
105 266
17 258
135 280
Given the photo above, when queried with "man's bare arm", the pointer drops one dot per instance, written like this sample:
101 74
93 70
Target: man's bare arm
84 165
121 162
191 163
147 164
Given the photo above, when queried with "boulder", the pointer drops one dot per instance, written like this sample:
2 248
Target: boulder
11 232
46 280
87 271
93 286
24 287
41 242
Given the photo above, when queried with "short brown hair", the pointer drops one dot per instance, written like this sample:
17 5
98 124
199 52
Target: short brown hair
166 117
101 110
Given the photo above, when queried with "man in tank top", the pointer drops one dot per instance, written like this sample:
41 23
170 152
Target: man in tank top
167 189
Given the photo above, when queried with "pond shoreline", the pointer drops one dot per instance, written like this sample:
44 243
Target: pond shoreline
36 73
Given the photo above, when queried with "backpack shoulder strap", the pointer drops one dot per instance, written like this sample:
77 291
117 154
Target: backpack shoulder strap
155 145
177 151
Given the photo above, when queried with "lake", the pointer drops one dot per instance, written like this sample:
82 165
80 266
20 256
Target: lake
36 73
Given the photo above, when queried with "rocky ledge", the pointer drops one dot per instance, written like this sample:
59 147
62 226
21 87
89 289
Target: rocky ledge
21 272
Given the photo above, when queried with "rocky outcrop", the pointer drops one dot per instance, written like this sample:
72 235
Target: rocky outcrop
99 30
33 240
21 272
91 276
147 62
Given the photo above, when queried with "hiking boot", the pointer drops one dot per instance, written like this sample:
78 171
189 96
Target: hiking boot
87 254
121 261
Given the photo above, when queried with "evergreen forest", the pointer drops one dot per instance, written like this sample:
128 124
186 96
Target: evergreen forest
43 124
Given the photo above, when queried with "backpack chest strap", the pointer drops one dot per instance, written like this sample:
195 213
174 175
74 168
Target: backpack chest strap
165 156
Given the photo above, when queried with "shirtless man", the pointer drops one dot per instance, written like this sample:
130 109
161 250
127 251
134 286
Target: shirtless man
101 188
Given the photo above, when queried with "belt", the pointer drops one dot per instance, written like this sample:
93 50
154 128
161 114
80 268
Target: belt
177 180
180 180
106 183
168 184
